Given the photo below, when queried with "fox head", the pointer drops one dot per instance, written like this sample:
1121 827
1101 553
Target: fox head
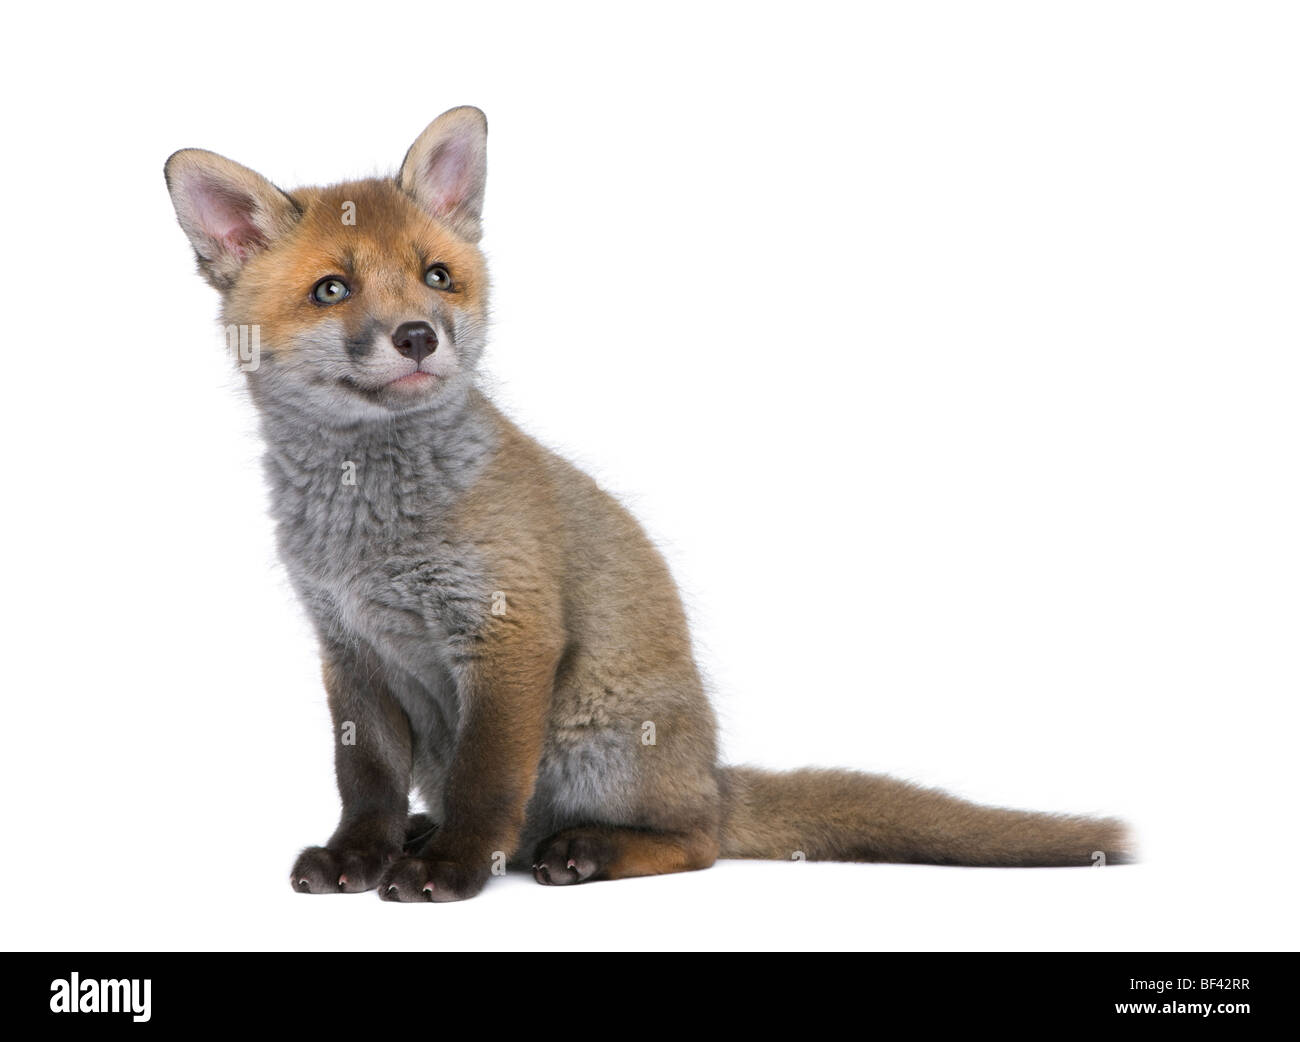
369 297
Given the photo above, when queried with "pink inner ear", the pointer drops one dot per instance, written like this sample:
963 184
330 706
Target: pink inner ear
449 176
226 216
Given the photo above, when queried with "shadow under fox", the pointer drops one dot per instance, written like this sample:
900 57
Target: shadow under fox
496 631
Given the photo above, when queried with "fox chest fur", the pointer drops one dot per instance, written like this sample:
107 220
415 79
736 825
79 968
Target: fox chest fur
365 527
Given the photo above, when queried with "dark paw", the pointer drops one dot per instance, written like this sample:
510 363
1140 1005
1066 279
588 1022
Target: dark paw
320 870
418 879
419 830
571 857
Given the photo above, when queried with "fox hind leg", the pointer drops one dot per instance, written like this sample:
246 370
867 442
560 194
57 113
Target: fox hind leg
419 827
580 855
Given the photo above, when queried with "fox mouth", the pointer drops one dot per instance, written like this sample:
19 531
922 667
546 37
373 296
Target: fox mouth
403 385
413 379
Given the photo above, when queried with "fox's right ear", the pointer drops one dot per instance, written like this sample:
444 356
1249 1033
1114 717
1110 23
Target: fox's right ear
228 211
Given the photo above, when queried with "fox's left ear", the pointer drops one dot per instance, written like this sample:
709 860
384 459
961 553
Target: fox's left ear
446 169
228 211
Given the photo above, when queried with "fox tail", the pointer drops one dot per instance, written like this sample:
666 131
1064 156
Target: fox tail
836 815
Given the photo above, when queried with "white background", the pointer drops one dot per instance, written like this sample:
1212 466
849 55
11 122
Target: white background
947 350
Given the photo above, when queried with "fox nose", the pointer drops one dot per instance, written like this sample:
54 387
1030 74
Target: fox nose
415 340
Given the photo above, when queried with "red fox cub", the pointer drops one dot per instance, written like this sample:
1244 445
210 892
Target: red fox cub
497 634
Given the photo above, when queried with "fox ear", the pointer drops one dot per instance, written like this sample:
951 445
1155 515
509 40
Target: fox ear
228 211
446 169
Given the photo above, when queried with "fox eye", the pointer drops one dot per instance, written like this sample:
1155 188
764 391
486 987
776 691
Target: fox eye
438 277
330 290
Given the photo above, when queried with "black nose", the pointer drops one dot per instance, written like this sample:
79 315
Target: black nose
415 340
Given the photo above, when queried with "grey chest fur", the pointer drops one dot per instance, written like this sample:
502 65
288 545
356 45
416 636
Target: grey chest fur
361 517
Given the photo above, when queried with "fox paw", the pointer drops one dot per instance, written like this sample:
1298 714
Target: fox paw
574 856
419 879
320 870
419 830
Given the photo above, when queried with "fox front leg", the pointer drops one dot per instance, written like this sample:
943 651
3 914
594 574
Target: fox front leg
372 760
488 785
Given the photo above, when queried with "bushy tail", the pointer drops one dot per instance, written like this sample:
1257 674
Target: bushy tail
833 815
